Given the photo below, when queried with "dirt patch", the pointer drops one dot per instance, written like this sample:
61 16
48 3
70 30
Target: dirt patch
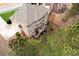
71 21
57 20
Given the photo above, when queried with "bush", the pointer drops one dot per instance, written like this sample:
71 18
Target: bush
63 42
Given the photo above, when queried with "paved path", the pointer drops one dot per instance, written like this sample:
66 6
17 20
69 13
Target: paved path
4 7
3 46
6 32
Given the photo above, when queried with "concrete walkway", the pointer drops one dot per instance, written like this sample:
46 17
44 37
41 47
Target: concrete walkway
7 30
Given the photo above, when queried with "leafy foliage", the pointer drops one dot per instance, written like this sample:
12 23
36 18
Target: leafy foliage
73 36
73 12
24 46
55 43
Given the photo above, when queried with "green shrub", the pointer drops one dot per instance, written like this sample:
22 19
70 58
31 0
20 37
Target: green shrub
63 42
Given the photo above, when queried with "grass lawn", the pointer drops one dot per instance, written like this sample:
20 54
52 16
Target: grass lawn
6 15
63 42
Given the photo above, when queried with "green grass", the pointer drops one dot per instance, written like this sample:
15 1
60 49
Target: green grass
6 15
63 42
